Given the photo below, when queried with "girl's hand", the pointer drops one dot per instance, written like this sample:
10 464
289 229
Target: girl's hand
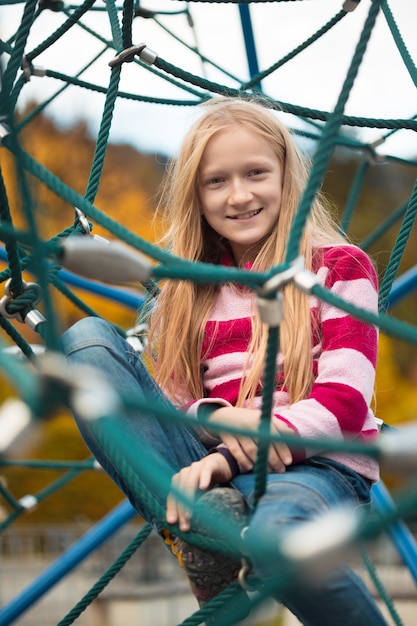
200 475
244 448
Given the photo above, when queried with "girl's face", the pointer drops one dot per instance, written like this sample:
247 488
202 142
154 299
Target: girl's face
240 183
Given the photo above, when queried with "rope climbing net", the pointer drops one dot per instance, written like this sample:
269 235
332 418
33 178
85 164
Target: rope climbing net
43 382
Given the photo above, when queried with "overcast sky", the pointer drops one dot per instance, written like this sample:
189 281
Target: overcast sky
383 88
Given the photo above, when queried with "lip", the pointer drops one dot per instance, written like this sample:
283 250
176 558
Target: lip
245 216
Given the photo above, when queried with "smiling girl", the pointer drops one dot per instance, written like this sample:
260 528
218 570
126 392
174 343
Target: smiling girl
230 199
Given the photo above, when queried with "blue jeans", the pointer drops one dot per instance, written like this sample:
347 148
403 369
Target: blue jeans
302 493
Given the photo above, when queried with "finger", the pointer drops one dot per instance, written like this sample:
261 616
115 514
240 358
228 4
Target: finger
206 475
279 457
281 448
215 468
243 449
172 513
275 461
178 511
284 453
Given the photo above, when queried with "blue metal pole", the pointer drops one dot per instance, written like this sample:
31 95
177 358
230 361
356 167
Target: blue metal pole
123 296
249 38
403 286
72 557
399 532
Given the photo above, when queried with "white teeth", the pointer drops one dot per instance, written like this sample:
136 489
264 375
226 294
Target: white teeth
246 216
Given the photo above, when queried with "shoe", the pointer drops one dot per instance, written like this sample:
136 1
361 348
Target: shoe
209 572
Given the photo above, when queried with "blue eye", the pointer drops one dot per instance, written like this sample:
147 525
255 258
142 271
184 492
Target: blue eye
216 180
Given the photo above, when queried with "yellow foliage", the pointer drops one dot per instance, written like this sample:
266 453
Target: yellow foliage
396 401
128 182
126 187
88 496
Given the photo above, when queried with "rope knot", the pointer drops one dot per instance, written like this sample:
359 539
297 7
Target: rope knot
18 306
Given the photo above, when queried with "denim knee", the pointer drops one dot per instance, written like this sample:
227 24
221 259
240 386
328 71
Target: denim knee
284 505
89 331
303 493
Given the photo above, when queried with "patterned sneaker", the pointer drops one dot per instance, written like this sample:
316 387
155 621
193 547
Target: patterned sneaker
211 572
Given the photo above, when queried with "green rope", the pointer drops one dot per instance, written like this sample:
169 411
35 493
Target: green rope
103 136
9 240
398 250
297 50
41 107
107 577
128 9
392 327
71 80
195 50
354 195
300 111
10 499
17 339
133 470
49 332
41 495
22 378
114 24
17 54
384 226
380 587
225 607
89 464
324 151
261 464
405 55
72 20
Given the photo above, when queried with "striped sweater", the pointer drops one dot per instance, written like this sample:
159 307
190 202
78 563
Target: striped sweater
344 358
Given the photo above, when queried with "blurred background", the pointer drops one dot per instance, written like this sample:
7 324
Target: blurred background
61 122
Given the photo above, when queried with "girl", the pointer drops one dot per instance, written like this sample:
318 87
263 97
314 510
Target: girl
230 199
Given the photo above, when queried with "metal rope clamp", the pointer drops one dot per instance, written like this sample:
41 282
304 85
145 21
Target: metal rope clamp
30 70
269 299
246 569
33 318
82 220
145 54
5 130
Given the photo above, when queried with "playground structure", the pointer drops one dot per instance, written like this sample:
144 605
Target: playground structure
46 383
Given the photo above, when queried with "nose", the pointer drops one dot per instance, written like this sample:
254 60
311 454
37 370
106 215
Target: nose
239 192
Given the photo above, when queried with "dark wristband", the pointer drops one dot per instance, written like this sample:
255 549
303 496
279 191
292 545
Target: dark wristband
233 464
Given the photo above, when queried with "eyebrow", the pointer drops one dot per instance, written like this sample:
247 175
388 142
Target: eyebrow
251 162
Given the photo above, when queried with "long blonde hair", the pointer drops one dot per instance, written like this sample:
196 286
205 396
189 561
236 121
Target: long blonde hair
182 308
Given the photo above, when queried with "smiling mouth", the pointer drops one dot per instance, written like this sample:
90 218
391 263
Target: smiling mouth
245 216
